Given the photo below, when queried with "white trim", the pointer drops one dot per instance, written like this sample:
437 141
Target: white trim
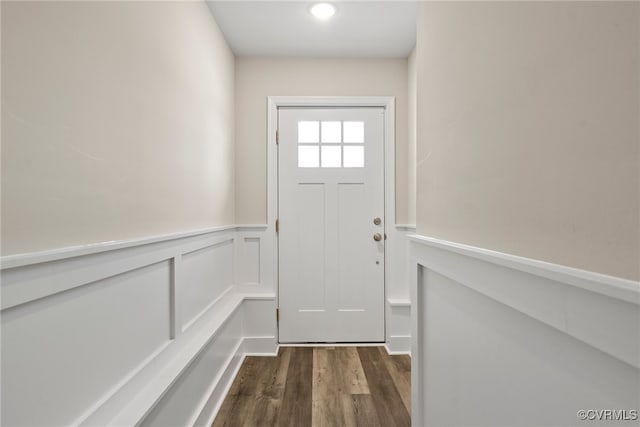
260 346
593 318
251 227
406 227
20 260
552 294
333 344
220 391
57 280
331 101
273 103
34 279
614 287
399 302
398 345
398 336
218 381
160 248
57 254
174 361
206 309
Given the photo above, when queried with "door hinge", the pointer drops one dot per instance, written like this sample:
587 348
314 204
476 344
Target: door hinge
277 136
277 225
277 314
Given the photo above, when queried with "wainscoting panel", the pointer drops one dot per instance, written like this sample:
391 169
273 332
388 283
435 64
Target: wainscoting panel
206 274
259 323
182 404
63 353
259 318
251 256
505 340
94 335
397 294
398 326
256 257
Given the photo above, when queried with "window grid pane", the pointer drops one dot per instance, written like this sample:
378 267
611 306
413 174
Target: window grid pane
331 132
336 144
308 156
353 156
309 132
331 156
353 132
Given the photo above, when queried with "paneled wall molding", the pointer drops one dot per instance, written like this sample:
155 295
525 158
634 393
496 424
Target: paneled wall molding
164 318
397 303
614 287
476 311
398 326
20 260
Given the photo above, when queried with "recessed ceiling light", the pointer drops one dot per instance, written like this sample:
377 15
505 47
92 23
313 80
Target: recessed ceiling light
323 10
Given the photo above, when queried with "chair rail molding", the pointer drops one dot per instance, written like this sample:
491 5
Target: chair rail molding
484 324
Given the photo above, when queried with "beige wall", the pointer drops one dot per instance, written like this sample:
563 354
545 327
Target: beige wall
117 122
528 136
257 78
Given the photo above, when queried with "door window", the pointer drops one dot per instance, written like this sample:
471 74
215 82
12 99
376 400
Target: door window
331 144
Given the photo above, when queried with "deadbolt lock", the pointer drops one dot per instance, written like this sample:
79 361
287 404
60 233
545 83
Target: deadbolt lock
377 221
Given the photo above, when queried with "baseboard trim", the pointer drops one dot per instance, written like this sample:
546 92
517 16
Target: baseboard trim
334 344
260 346
216 399
399 344
249 346
213 399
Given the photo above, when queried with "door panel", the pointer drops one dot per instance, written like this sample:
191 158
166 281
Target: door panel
352 230
331 187
309 240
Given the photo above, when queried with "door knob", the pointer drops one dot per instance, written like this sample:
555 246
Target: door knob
377 237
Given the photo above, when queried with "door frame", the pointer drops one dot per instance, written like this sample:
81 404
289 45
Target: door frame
275 102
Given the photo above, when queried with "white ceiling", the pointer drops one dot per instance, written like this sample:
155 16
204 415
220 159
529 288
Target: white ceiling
359 29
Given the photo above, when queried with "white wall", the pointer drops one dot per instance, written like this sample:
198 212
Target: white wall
118 122
501 340
528 136
257 78
146 331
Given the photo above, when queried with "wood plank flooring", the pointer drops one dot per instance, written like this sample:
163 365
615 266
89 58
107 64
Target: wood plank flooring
320 386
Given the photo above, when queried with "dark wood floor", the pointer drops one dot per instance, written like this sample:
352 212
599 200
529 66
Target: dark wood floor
320 386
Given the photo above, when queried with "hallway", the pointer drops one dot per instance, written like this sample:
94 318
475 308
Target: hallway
188 185
320 386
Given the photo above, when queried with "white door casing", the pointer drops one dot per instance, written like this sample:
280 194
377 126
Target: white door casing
331 270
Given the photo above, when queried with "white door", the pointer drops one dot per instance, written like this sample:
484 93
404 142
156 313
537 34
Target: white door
331 224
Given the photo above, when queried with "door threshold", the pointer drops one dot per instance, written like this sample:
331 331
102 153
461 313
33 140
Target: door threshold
332 344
